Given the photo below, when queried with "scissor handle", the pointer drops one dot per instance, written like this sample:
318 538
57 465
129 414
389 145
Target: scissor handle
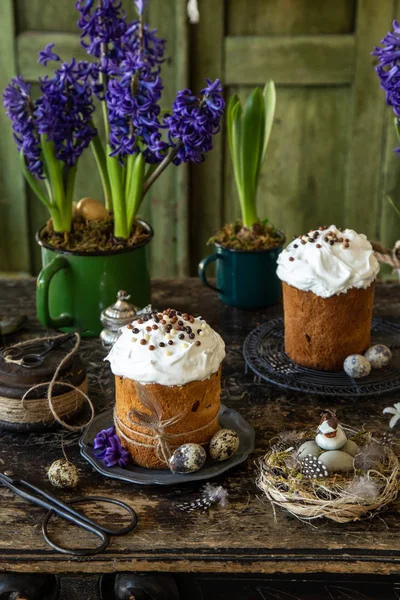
105 540
83 521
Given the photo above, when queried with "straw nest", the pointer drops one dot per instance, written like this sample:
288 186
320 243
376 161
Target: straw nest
339 497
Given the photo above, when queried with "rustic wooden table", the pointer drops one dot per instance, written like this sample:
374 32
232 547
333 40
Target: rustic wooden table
242 551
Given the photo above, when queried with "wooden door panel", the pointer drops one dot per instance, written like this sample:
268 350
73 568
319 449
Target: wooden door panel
330 157
294 17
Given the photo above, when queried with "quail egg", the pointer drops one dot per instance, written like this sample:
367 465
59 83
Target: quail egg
357 366
309 448
187 458
379 356
337 462
224 444
351 448
63 474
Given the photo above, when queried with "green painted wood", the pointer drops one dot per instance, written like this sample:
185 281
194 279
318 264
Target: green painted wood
14 255
389 231
330 157
366 148
36 15
306 60
54 15
295 17
30 43
206 182
166 204
182 174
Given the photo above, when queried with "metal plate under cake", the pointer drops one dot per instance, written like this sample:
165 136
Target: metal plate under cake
228 418
264 354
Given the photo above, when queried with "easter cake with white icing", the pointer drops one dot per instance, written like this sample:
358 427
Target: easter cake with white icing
328 280
167 371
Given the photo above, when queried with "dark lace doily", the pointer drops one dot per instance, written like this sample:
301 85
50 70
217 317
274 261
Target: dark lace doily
264 354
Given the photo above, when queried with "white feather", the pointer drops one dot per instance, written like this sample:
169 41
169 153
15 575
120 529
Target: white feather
363 489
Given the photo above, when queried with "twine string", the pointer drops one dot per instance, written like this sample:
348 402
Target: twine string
155 423
388 259
158 437
80 392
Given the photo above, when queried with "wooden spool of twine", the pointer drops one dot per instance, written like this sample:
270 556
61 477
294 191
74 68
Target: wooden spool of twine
51 406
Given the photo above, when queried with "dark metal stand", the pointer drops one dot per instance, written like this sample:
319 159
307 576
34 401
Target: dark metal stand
264 353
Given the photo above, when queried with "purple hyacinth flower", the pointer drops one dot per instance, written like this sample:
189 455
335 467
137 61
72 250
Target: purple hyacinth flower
388 69
20 109
193 122
47 55
101 441
101 24
140 6
64 111
115 453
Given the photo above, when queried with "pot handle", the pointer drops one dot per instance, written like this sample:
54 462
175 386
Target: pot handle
42 294
201 270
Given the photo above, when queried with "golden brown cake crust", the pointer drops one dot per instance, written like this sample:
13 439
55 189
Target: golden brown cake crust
321 332
197 401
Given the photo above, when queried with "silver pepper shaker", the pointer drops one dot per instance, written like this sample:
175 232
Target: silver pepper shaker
116 316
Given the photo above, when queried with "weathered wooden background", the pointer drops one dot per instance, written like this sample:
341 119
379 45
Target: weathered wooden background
331 155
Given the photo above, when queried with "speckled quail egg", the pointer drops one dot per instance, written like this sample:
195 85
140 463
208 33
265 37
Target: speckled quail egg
357 366
187 458
63 474
223 444
379 356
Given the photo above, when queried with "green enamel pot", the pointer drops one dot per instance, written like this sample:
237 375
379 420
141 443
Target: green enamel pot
74 287
245 279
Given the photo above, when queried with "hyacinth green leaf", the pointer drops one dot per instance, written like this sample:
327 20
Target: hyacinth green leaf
135 194
100 157
392 204
234 113
118 195
236 135
230 118
32 181
251 152
397 127
130 160
269 95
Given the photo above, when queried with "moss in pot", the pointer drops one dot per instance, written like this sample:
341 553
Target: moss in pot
103 243
247 251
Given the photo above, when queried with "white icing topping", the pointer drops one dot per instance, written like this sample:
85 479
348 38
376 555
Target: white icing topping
332 268
176 363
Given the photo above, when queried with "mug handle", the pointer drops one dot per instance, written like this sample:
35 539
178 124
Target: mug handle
42 294
201 270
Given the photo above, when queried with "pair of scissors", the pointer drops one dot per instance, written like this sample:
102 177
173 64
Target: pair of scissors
30 359
35 495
